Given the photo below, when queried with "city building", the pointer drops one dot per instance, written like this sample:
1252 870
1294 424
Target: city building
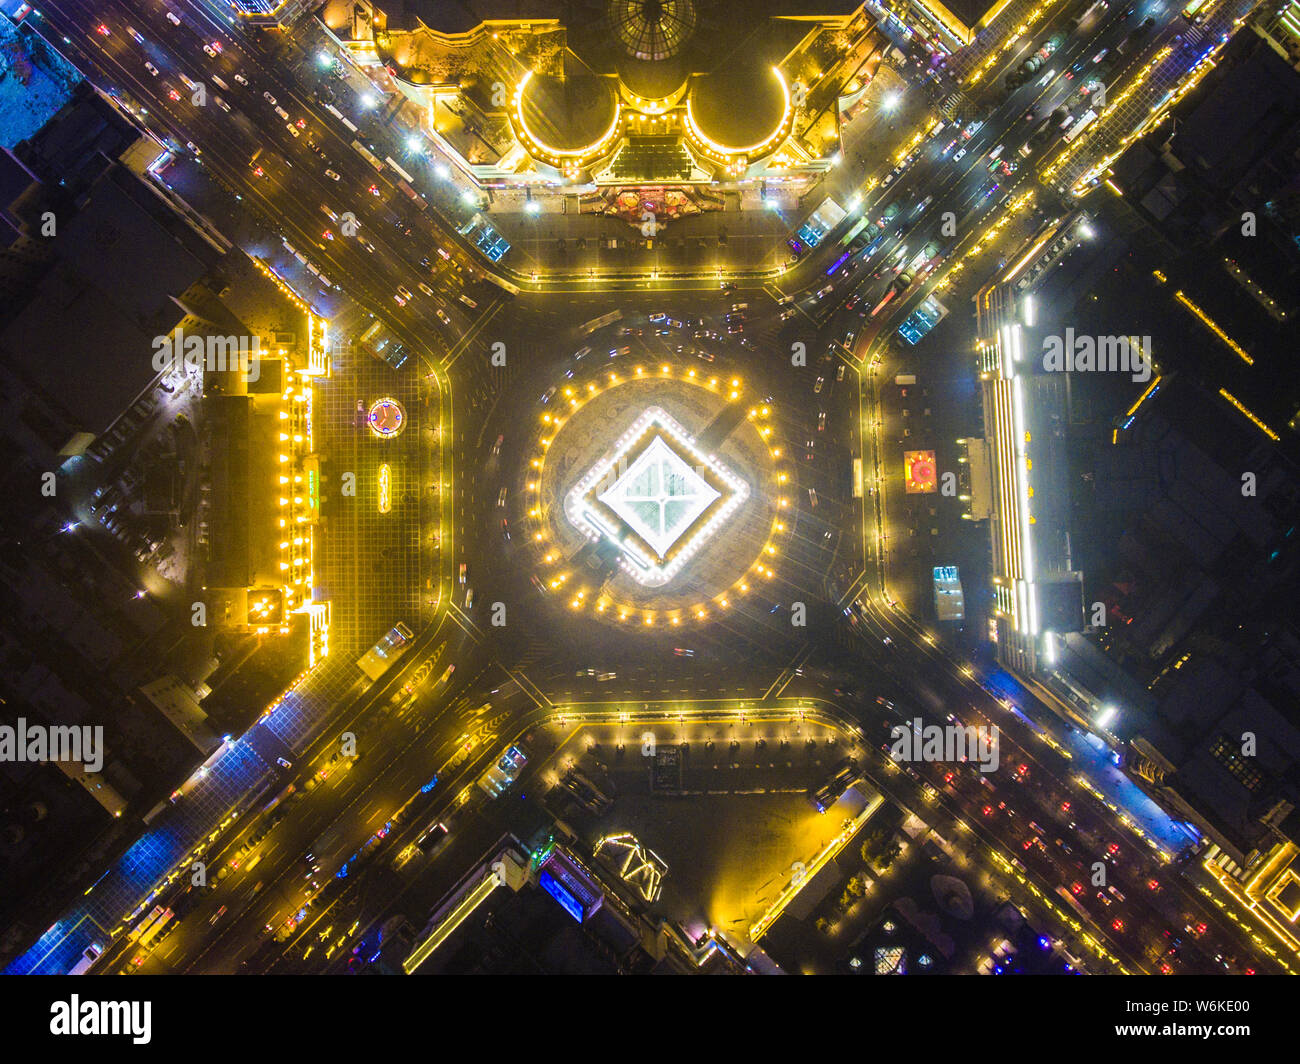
640 109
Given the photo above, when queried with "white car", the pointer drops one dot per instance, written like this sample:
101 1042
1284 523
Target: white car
241 79
331 175
266 95
959 156
442 316
212 54
173 19
151 68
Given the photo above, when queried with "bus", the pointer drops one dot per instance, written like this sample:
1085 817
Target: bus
397 169
599 323
842 777
860 225
1192 9
1085 120
413 196
857 478
379 658
147 929
88 957
1074 905
365 153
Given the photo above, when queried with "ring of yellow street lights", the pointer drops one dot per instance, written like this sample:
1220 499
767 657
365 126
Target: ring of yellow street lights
566 582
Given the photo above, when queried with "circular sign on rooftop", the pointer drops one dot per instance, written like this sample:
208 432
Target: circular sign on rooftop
386 418
655 496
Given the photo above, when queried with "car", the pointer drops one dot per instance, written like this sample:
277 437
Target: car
462 572
266 96
221 103
853 301
817 387
103 30
283 763
922 205
173 18
684 652
331 175
368 246
505 528
959 156
826 290
217 915
138 39
658 317
153 70
294 131
241 79
211 52
496 447
821 421
173 95
469 598
812 498
398 299
839 372
404 292
442 316
548 394
424 288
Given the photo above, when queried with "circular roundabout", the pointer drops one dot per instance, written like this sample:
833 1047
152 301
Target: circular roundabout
656 496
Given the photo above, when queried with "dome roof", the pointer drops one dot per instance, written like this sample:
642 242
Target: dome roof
738 106
568 114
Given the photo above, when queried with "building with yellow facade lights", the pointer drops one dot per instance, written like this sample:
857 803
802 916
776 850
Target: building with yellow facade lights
264 475
946 24
640 95
1018 480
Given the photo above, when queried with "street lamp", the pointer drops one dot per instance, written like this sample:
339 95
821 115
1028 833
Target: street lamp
891 101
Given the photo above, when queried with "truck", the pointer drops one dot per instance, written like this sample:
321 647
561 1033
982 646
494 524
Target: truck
379 658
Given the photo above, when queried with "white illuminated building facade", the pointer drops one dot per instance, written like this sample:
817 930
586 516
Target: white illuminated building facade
657 496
